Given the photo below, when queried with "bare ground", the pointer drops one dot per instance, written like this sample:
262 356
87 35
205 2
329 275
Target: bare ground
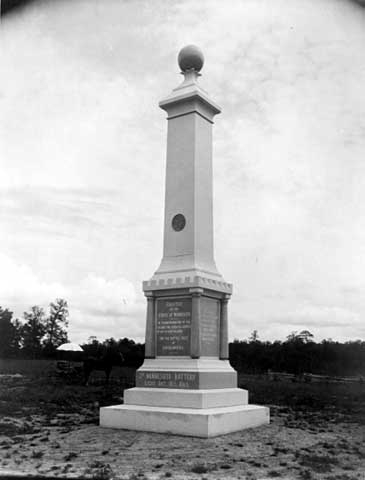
48 427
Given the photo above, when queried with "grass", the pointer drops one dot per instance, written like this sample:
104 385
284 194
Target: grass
28 367
335 401
307 408
274 474
21 398
306 474
199 468
70 456
318 463
301 405
42 367
37 454
341 399
98 470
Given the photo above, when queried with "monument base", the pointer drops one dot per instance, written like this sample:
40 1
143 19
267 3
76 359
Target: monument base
177 398
193 422
193 397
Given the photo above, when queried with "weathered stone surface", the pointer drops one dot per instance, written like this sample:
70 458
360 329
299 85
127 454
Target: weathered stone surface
205 423
169 397
186 380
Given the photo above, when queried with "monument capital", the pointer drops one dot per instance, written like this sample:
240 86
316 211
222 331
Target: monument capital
189 96
190 58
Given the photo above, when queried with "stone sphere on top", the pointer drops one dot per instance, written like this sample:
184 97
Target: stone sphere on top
191 58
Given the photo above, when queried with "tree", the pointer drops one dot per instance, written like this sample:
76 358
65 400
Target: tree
291 337
303 337
9 334
306 336
18 336
55 325
254 336
33 331
93 348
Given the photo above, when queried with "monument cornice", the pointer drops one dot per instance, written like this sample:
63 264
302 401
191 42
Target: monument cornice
196 95
197 281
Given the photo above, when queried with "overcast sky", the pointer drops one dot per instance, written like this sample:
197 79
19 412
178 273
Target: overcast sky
82 158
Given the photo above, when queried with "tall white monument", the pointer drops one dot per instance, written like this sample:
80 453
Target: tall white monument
186 385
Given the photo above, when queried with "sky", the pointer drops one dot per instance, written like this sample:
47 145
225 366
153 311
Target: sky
83 150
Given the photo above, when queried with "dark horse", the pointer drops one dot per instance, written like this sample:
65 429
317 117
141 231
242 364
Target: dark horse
105 363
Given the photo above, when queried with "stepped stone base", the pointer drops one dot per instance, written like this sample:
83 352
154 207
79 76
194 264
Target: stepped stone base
177 398
189 379
194 422
192 397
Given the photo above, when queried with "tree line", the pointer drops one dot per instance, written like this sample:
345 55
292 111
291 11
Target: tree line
40 333
37 335
298 354
133 353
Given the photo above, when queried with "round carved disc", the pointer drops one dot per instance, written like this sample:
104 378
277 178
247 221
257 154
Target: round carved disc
178 222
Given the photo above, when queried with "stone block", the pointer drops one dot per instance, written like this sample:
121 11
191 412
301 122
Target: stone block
185 379
168 397
204 423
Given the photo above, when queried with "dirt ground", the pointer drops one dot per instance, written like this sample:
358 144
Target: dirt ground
49 426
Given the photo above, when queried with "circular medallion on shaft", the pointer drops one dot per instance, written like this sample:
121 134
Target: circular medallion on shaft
191 58
178 222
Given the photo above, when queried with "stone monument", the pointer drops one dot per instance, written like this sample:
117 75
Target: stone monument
186 385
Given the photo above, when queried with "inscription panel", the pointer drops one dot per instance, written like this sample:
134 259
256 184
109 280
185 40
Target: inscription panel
186 380
209 326
173 326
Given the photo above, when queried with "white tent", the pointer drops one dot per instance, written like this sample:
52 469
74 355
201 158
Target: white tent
70 347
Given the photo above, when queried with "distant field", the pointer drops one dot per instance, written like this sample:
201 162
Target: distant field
36 368
347 398
334 398
25 366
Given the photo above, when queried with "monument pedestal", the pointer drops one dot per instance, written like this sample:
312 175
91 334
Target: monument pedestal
193 397
186 385
193 422
182 396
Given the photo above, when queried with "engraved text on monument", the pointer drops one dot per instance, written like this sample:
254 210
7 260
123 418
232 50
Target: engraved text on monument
173 326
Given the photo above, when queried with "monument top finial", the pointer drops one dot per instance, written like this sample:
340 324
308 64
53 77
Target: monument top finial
190 58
